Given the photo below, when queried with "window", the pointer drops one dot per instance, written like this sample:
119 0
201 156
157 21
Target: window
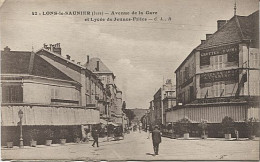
255 60
218 89
192 69
180 77
12 94
256 88
232 57
186 73
218 62
75 95
54 93
108 79
204 60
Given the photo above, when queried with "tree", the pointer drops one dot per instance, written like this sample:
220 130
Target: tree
252 127
130 114
185 125
203 126
227 125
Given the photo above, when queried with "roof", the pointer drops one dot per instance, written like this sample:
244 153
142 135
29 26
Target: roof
15 62
237 29
92 66
62 58
61 63
18 62
118 90
63 68
250 27
183 62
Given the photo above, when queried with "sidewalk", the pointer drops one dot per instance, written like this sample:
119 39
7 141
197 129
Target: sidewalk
100 140
218 139
136 146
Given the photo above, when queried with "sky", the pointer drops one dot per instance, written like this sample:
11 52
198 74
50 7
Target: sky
142 54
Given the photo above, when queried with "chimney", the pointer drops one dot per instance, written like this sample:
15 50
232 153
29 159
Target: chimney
7 49
57 49
45 46
68 57
87 59
51 48
97 66
208 36
221 23
203 41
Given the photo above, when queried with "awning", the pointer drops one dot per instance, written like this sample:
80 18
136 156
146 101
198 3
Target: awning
114 124
102 121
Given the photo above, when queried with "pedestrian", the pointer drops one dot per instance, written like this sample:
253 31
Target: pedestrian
150 129
140 127
95 135
237 134
156 137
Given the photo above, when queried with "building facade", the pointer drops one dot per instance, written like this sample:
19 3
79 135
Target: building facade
164 99
52 91
114 95
220 77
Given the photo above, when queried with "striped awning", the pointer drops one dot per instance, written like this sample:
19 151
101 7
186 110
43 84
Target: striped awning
102 121
114 124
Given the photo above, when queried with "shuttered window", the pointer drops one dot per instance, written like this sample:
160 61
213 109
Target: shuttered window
12 94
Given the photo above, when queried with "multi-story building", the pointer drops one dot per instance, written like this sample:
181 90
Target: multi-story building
151 113
107 77
164 98
49 89
220 77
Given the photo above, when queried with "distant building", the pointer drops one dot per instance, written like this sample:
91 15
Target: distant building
151 113
139 113
107 78
164 99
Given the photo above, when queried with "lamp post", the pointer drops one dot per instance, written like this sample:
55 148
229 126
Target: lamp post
20 114
107 129
123 124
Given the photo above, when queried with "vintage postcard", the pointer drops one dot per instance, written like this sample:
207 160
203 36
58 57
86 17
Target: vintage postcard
130 80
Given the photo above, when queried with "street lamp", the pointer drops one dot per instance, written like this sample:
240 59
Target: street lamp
107 128
20 114
123 124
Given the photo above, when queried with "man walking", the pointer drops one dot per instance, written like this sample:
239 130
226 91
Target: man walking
95 135
156 137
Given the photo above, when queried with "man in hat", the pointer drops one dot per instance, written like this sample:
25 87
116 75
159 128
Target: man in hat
95 135
156 137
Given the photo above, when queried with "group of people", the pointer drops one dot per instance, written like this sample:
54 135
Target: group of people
156 137
95 134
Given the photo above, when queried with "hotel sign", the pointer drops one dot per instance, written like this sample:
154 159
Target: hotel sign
219 50
219 76
229 49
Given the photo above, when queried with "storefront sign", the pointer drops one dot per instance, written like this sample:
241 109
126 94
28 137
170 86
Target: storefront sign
229 49
213 100
219 76
219 50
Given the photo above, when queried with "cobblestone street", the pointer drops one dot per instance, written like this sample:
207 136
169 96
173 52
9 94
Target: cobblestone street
136 146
